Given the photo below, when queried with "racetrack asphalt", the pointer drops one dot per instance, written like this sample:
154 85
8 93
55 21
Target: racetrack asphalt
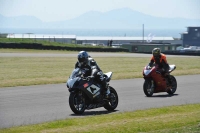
41 103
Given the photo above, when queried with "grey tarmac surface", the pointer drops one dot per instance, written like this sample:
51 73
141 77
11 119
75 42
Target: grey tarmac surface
41 103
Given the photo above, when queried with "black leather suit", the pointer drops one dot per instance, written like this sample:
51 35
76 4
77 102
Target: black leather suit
93 70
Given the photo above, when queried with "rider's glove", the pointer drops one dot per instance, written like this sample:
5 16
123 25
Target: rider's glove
148 67
100 73
89 77
163 70
160 71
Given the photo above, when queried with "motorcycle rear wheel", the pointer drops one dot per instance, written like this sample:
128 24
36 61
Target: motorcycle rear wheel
174 85
112 102
77 103
148 91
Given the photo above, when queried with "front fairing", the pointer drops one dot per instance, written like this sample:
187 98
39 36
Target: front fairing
74 78
72 83
147 72
77 72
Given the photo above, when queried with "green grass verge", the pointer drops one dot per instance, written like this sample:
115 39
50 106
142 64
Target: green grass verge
4 50
43 42
173 119
8 50
24 71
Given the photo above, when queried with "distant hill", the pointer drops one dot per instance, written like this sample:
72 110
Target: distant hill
20 22
123 18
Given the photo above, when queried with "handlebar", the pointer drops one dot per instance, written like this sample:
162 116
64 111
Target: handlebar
88 78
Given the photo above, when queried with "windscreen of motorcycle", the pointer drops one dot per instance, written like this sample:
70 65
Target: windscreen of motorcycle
75 73
71 82
74 77
146 71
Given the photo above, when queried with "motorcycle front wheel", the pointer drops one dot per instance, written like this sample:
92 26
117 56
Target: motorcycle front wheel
112 102
148 90
77 102
174 85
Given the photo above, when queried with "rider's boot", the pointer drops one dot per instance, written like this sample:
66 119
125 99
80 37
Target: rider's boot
169 80
106 88
107 94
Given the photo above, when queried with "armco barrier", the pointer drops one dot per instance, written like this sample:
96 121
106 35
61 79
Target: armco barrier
49 47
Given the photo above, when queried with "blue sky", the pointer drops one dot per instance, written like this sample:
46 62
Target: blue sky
56 10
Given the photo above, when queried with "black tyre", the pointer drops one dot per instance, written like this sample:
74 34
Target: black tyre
112 102
174 85
148 91
77 103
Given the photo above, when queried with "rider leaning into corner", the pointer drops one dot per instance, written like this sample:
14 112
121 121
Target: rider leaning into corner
92 70
160 59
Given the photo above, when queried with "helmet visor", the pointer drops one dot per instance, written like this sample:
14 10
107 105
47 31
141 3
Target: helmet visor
82 61
156 54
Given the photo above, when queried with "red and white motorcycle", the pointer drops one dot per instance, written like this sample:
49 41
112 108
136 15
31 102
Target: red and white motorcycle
155 82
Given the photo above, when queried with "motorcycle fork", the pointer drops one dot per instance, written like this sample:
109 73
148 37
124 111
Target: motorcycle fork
152 84
80 96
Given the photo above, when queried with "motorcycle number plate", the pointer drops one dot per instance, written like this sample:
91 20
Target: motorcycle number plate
93 89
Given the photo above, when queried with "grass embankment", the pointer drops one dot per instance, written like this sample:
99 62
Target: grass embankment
36 51
26 40
174 119
23 71
43 42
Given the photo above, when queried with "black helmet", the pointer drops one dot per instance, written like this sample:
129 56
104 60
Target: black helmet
156 52
83 57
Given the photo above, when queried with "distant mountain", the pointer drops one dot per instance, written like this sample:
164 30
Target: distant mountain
20 22
123 18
